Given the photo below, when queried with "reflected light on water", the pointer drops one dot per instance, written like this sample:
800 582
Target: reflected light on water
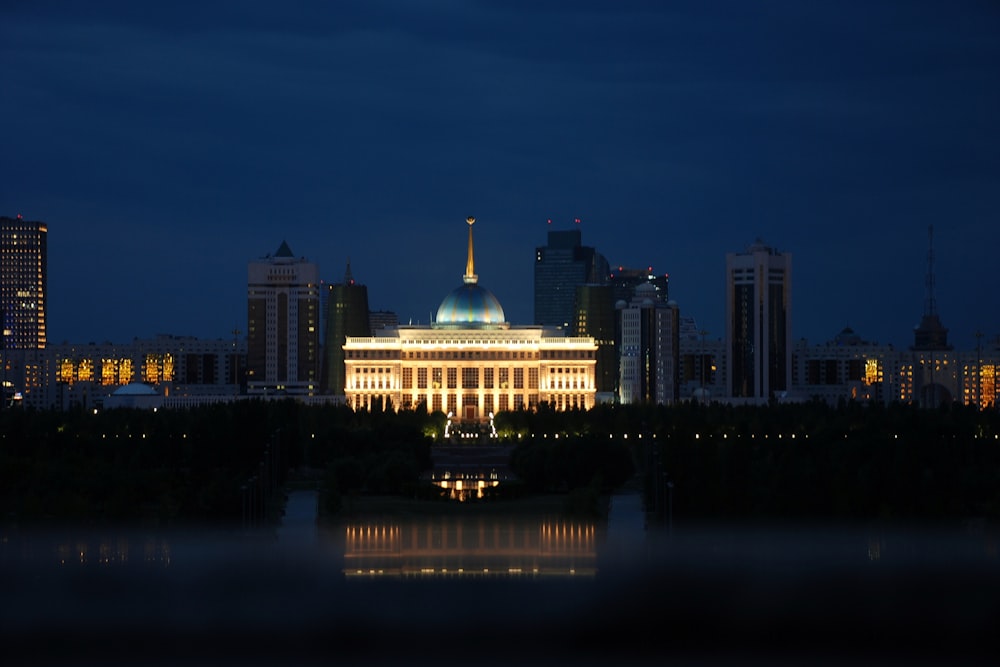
503 590
472 546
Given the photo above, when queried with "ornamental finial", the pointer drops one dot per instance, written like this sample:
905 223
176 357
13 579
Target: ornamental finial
470 276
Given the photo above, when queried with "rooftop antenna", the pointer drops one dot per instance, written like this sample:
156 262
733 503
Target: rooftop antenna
348 278
930 305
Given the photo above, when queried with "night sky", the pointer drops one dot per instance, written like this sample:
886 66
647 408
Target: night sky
166 146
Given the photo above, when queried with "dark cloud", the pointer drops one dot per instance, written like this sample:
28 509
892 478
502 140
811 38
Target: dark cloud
174 142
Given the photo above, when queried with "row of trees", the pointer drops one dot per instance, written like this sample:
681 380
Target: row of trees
803 460
190 465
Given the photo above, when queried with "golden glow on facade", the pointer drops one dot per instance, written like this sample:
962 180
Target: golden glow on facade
65 371
873 371
470 372
979 384
125 372
108 372
158 368
85 371
988 385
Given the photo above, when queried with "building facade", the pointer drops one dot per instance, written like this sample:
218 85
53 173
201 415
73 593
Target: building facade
851 368
560 266
650 348
23 278
759 323
597 318
283 324
703 364
347 315
470 362
67 375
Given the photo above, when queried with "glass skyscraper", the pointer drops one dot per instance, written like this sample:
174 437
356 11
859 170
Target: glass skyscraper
346 315
23 276
560 267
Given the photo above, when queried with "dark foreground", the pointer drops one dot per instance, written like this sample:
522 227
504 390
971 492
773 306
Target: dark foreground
701 597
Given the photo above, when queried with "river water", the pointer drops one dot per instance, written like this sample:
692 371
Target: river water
497 590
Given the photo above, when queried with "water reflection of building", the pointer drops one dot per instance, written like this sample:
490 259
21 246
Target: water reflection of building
104 551
467 547
466 484
469 472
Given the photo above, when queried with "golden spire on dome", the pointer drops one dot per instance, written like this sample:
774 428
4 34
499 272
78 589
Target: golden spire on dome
470 276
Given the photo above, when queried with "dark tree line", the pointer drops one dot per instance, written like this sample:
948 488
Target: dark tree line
820 463
801 460
189 465
792 461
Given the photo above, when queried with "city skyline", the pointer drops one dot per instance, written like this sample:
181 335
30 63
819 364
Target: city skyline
167 147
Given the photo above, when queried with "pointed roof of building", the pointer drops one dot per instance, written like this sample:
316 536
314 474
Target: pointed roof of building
283 250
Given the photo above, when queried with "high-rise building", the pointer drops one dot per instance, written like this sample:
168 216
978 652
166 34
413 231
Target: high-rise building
560 267
282 324
759 322
650 348
702 363
596 318
624 280
23 277
347 315
382 319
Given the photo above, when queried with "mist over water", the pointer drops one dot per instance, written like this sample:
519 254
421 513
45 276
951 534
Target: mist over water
498 589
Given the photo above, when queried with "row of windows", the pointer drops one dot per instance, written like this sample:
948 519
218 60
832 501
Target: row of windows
450 403
450 355
491 378
385 381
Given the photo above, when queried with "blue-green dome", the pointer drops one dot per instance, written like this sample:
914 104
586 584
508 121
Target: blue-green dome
470 305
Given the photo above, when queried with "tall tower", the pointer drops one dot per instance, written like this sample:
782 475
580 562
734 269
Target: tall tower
282 324
23 277
346 315
930 334
759 321
650 348
560 267
934 379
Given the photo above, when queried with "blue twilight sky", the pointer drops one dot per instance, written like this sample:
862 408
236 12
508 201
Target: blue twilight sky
167 144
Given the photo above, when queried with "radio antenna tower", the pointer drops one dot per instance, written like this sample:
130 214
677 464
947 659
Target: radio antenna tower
930 334
930 305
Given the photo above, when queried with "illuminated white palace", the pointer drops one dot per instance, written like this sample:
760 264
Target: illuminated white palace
470 362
